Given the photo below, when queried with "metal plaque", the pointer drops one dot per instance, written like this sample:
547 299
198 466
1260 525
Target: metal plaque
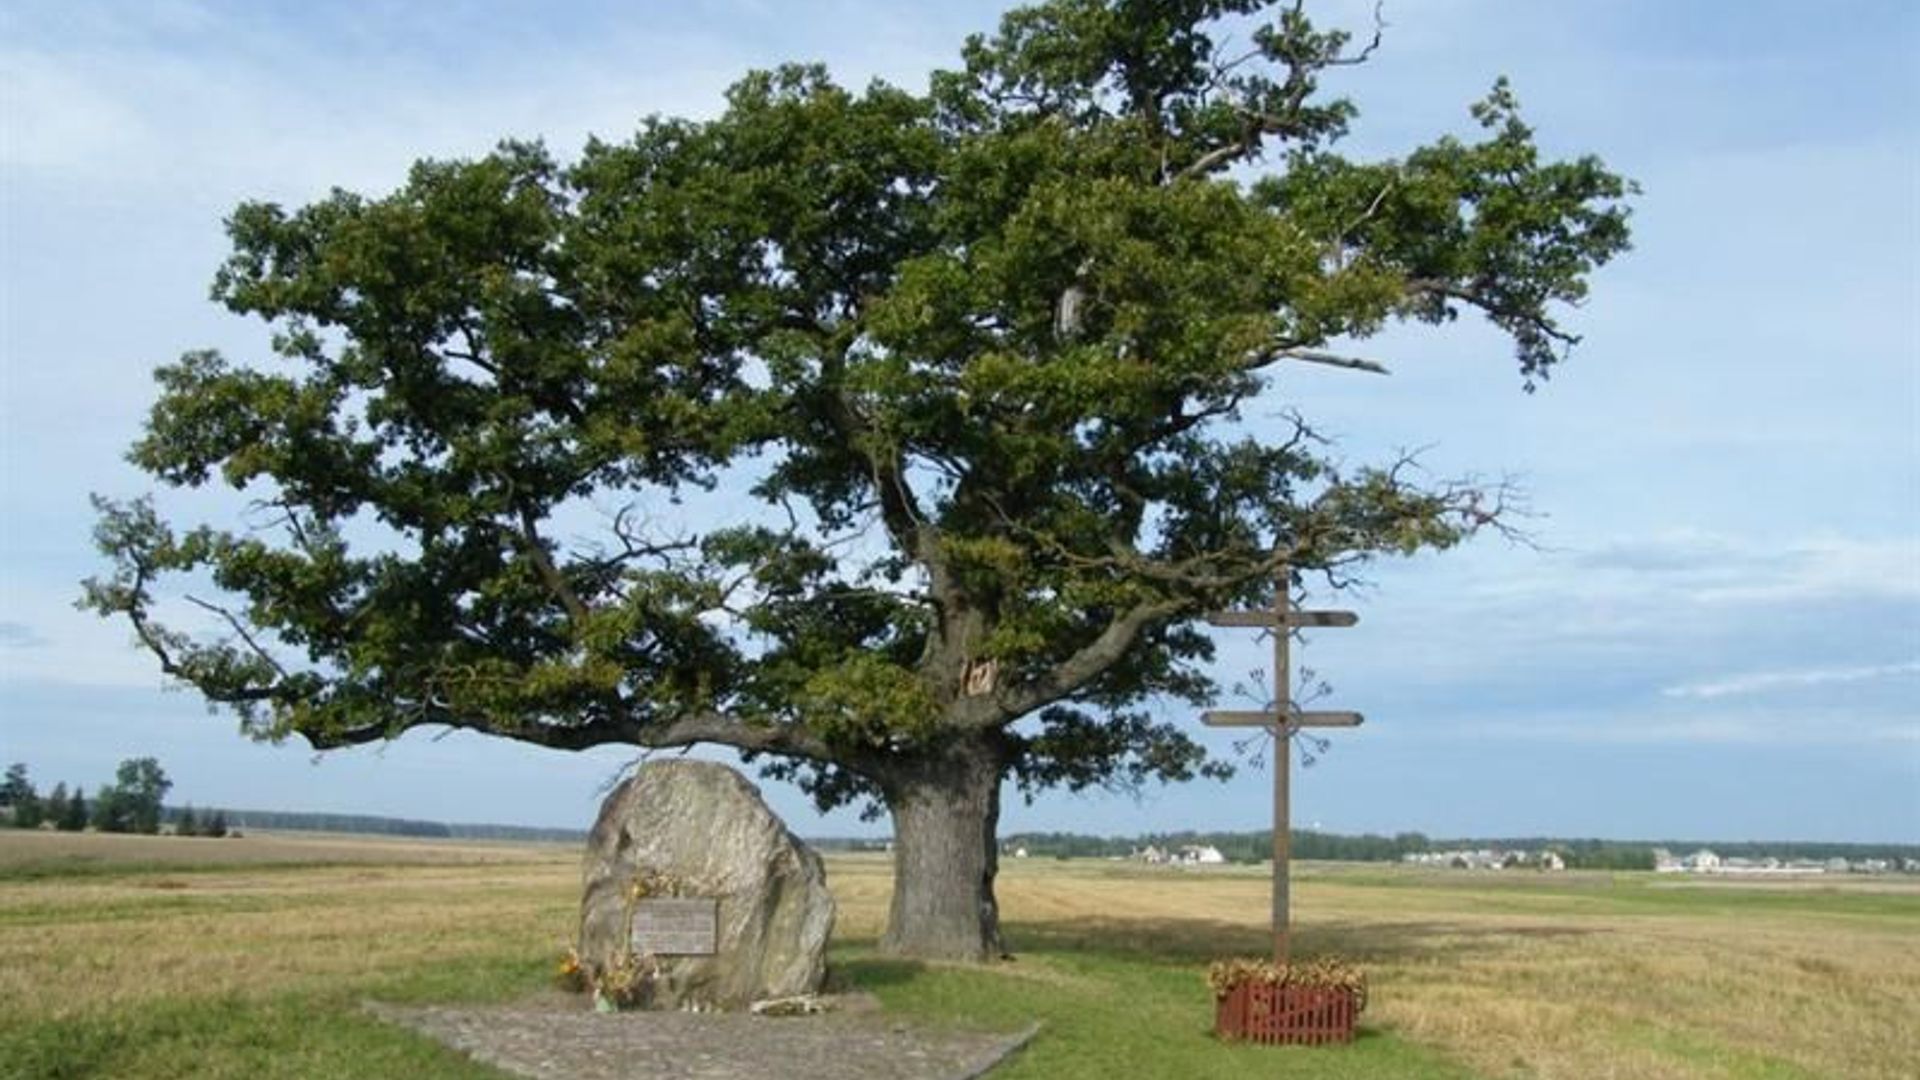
676 927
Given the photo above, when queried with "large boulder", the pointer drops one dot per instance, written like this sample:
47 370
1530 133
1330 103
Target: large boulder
695 829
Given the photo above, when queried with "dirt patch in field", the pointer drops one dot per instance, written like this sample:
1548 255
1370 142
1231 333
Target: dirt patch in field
549 1041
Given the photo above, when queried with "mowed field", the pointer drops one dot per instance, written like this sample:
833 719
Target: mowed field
163 957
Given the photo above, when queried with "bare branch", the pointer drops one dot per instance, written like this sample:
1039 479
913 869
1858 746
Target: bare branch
155 640
1214 158
239 628
635 545
1379 28
1316 356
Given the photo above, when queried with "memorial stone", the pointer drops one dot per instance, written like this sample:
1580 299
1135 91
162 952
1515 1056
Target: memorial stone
693 883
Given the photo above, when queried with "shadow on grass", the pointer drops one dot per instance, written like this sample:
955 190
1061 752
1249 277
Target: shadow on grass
866 971
1127 998
1199 941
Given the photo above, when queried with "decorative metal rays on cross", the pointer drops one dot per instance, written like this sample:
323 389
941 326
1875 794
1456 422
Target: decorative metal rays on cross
1282 723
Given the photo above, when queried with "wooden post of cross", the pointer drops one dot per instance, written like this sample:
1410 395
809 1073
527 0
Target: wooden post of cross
1283 721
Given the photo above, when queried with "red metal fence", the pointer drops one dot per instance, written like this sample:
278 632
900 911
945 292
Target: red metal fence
1307 1015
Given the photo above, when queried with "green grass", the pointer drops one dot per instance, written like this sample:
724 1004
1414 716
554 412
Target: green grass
1114 1014
1103 1014
1731 1062
292 1036
296 1036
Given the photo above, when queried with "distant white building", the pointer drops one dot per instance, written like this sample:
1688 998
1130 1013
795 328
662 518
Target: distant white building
1200 855
1703 861
1019 853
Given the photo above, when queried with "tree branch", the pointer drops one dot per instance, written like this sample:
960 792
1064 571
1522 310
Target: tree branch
1316 356
240 629
556 582
1086 664
682 731
1491 305
1301 66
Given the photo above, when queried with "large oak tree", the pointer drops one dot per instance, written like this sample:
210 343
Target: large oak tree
970 370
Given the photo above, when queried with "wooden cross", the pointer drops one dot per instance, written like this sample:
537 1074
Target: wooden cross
1282 722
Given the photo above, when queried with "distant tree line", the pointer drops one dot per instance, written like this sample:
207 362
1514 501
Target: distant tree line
133 803
1236 846
308 821
1581 853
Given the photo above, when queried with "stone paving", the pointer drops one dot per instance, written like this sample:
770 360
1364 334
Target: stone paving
550 1043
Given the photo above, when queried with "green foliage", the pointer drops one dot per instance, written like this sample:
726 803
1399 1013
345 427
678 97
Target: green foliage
54 808
15 785
133 800
140 787
111 813
75 817
1240 847
216 826
16 789
1605 855
188 823
985 354
18 797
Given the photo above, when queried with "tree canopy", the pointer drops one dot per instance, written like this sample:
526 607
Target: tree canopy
134 801
886 433
16 788
18 796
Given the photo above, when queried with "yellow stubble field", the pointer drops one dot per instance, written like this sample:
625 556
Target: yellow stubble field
1501 974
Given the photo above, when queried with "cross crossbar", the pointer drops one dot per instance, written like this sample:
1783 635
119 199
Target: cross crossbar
1290 618
1237 718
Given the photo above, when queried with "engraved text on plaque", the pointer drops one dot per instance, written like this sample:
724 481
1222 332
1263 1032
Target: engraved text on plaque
676 927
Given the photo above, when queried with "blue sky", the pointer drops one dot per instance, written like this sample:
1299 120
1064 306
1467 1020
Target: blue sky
1717 635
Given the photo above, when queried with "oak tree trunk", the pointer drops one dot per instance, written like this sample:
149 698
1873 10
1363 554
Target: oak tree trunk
946 815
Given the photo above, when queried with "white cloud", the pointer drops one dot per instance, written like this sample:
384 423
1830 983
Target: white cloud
1709 567
55 115
69 647
1822 567
1692 726
1763 681
1671 637
216 107
18 635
